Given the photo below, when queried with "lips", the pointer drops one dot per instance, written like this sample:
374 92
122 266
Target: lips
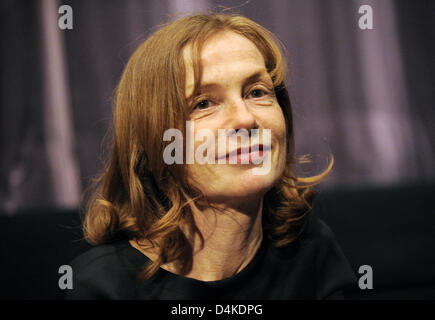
246 150
246 154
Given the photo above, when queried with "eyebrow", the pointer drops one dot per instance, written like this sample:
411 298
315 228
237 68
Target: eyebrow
255 76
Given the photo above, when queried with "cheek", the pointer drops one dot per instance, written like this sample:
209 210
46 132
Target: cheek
281 130
274 120
279 135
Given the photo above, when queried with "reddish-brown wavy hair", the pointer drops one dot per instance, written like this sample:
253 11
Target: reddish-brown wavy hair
138 196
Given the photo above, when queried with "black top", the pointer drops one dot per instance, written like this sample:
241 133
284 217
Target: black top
313 267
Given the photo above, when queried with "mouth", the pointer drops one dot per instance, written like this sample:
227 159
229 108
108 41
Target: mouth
247 155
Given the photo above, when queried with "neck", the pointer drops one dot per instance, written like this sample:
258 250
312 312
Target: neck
224 240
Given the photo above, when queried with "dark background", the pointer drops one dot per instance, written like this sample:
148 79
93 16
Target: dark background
364 95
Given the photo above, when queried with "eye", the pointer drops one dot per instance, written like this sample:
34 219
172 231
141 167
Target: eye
257 93
204 104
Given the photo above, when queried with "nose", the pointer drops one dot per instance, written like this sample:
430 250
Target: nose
240 116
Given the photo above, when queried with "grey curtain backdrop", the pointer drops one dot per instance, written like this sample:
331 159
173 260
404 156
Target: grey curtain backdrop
366 96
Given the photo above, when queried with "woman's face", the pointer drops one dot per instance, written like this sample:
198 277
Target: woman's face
236 92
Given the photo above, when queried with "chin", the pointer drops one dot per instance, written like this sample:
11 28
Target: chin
243 186
228 183
255 184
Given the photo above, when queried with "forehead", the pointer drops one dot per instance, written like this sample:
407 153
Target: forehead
228 44
223 52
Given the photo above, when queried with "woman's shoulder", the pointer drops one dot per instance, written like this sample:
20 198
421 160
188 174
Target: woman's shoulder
98 256
320 238
334 271
100 271
318 230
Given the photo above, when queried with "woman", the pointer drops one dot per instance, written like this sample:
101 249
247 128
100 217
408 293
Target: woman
206 223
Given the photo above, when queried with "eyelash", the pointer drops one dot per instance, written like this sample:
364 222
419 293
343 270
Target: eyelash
205 100
263 91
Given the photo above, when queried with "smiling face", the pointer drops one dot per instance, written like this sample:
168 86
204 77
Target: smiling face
235 92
